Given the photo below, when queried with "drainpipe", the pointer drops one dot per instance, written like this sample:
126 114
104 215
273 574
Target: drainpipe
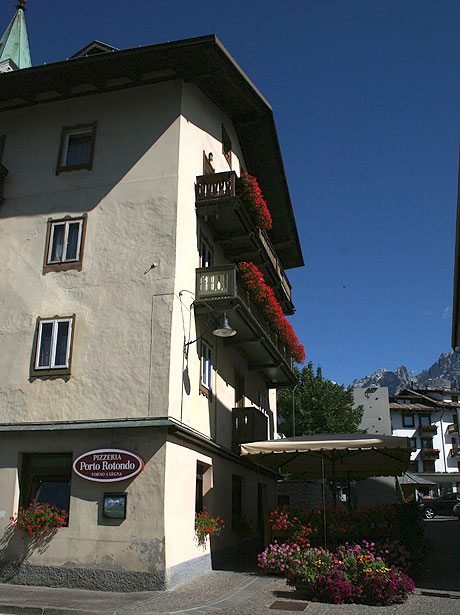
293 408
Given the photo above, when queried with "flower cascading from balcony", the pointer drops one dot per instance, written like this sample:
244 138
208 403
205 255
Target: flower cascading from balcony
263 296
248 190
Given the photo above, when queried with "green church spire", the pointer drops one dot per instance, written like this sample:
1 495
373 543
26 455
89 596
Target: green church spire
14 44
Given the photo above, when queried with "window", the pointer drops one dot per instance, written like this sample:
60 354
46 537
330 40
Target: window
45 478
53 346
76 150
206 368
226 146
454 398
413 466
425 419
403 401
413 444
262 506
237 501
427 443
239 389
206 254
65 239
263 403
408 420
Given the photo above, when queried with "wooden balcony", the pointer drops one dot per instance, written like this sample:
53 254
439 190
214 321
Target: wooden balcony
248 425
218 290
454 452
429 454
428 430
452 429
234 230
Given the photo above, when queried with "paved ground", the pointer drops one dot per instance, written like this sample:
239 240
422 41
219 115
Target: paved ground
217 593
248 593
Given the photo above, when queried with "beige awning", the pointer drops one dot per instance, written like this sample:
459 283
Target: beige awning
339 455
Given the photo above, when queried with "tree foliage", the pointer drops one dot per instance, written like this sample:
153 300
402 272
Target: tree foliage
321 406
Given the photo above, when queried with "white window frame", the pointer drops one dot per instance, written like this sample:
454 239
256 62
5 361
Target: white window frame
66 223
55 322
206 366
65 151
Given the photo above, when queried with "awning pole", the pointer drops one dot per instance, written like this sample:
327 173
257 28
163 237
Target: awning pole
324 501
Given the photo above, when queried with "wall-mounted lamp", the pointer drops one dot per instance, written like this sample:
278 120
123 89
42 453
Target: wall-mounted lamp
210 157
223 328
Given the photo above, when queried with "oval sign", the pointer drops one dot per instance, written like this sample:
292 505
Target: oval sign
108 465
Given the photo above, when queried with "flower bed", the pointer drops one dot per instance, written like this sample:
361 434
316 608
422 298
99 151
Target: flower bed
247 188
350 575
263 296
37 521
360 571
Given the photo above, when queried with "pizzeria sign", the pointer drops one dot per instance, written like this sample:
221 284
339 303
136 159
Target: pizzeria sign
107 465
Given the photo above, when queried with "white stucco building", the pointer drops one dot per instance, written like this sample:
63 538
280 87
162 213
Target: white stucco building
120 238
429 418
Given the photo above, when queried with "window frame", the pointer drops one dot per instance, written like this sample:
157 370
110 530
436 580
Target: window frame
206 252
206 356
64 265
424 416
408 416
50 370
66 133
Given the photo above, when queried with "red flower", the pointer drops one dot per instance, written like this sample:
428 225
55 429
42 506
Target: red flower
248 190
264 297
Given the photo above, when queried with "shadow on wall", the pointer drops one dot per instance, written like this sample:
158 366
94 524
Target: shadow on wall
16 548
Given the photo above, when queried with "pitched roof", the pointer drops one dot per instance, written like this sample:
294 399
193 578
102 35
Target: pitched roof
203 61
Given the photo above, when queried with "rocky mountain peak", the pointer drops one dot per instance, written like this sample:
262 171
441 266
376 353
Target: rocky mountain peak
443 374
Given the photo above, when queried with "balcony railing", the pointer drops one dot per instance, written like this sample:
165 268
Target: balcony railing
220 290
452 429
248 425
429 454
428 430
454 452
218 203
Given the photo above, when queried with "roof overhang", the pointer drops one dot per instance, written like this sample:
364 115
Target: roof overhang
203 61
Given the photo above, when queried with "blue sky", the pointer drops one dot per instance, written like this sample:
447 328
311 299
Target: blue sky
366 100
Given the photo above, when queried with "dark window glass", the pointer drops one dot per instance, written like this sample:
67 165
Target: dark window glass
408 420
61 343
45 344
45 479
72 241
58 243
78 149
425 419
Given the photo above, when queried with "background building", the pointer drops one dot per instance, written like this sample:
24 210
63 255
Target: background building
429 418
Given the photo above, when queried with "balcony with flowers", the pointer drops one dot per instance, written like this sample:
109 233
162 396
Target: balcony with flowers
429 454
264 335
235 210
428 430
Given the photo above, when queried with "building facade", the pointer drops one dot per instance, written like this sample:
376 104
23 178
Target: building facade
127 326
429 418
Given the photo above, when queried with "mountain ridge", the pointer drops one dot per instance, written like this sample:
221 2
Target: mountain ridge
442 374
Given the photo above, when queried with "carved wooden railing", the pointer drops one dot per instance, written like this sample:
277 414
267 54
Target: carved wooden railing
215 186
